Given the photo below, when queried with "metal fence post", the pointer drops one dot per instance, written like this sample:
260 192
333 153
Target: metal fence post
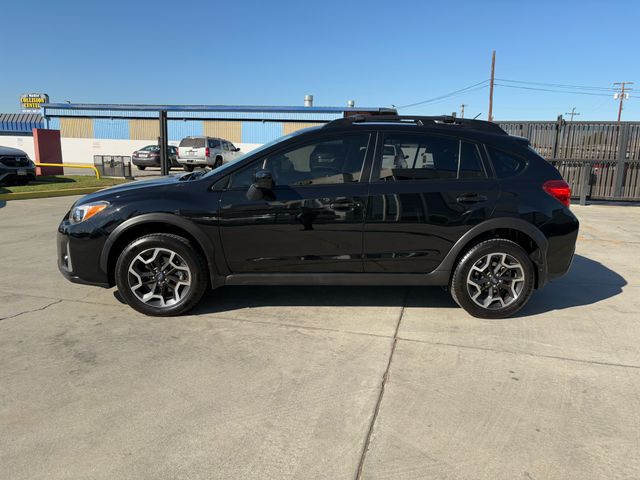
623 143
584 182
163 143
558 126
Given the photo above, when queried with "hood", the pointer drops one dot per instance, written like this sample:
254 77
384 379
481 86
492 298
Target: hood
116 191
12 151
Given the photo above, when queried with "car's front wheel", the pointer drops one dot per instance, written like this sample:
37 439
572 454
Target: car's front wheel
161 275
494 279
141 167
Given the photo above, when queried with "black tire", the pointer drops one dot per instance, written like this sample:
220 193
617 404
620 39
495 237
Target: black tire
218 162
461 291
188 168
141 167
194 266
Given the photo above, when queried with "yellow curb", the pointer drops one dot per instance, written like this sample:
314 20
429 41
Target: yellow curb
49 193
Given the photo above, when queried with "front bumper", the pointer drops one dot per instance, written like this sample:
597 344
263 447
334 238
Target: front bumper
10 174
79 248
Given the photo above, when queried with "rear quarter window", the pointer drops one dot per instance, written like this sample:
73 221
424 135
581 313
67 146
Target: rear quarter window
506 164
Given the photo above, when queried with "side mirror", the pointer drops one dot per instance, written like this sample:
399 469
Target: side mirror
263 179
236 149
261 186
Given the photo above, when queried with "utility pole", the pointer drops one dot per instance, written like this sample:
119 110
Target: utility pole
462 110
493 76
572 113
621 95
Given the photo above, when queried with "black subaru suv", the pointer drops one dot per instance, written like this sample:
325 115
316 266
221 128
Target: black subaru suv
363 200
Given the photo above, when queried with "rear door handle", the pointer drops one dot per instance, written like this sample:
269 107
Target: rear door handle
471 198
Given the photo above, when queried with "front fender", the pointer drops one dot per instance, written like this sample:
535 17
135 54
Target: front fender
203 239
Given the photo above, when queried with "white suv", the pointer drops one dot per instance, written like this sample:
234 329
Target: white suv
205 151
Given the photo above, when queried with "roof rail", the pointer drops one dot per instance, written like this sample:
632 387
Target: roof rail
419 121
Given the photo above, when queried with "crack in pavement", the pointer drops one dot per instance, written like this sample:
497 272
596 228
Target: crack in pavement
31 311
513 352
385 378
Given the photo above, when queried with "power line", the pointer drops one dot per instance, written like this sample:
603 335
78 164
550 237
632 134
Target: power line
450 94
560 85
554 91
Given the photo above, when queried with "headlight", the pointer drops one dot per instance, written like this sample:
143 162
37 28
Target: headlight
81 213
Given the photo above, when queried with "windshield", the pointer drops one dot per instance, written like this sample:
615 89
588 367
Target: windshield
226 166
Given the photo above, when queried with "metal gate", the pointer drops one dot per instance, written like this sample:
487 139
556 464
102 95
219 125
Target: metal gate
600 160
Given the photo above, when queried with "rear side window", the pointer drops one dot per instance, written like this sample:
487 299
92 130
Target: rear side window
214 143
428 157
192 142
505 164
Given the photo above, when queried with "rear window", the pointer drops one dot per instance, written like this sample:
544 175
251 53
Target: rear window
192 142
151 148
506 164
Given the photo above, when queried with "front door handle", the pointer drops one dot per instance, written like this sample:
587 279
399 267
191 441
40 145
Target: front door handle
471 198
344 204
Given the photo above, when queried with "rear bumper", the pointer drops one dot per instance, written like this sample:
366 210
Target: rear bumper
146 162
562 234
195 161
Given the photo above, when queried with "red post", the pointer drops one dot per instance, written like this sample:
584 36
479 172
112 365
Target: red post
48 150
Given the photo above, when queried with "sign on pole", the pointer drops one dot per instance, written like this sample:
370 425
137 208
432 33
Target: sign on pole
32 102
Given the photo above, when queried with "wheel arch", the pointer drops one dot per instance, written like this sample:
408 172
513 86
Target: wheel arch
528 236
142 225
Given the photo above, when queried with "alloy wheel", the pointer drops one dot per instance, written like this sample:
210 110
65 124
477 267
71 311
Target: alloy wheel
159 277
495 281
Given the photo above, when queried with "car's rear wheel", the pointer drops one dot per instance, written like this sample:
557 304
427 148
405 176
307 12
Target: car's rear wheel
188 168
141 167
218 162
494 279
161 275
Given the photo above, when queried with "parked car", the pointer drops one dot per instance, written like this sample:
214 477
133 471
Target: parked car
469 208
16 168
149 156
205 152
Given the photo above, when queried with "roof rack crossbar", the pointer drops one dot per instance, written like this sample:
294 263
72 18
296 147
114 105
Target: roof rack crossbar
419 121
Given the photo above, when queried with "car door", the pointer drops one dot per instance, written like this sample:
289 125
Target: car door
312 219
426 191
233 154
227 151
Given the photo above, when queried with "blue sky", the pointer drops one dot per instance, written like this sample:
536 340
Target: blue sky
275 52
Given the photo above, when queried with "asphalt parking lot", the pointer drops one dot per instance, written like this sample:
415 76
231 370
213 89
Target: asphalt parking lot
336 383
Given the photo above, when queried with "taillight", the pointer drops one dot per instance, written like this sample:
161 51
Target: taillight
206 152
558 189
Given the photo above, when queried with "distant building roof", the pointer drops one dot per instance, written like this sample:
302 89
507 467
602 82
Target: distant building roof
19 123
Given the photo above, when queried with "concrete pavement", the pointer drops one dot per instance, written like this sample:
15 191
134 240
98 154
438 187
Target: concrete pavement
276 383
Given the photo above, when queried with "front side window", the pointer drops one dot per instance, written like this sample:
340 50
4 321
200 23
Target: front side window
324 161
428 157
